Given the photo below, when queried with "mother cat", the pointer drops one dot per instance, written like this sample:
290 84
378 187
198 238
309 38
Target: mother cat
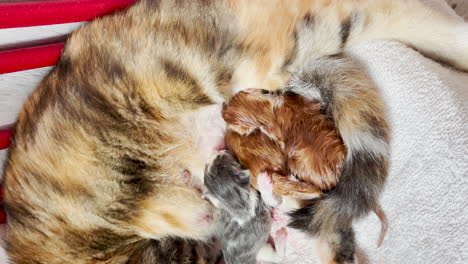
94 174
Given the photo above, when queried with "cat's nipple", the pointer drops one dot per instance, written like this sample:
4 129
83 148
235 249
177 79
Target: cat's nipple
207 219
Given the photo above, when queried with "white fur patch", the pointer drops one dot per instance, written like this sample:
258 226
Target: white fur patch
364 141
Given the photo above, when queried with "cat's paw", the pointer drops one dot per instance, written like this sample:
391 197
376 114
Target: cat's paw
265 186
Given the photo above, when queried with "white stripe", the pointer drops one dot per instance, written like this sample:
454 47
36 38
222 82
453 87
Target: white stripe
23 36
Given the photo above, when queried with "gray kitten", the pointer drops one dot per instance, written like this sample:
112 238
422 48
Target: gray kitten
243 217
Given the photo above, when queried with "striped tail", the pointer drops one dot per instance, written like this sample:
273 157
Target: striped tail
350 99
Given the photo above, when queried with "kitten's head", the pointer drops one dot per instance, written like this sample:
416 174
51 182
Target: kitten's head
249 110
227 184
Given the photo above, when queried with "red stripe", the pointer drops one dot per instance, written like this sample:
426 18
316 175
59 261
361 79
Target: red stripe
5 139
3 215
28 14
29 58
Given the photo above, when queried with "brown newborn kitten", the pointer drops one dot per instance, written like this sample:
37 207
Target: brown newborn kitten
286 135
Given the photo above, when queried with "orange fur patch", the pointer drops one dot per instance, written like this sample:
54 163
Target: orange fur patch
285 135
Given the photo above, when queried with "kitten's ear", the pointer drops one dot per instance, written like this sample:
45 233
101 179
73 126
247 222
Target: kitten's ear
225 112
244 177
245 173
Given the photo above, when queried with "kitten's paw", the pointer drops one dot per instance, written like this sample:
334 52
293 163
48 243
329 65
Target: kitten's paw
281 237
265 186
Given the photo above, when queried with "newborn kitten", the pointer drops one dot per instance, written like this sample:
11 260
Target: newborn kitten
286 135
244 219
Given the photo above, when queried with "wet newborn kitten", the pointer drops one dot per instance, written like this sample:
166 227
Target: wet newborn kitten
243 217
286 135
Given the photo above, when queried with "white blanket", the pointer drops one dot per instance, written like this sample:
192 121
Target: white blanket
426 198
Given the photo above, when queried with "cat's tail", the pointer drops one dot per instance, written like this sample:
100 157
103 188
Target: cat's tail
348 97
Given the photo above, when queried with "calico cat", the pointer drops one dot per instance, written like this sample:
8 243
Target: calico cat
93 174
244 219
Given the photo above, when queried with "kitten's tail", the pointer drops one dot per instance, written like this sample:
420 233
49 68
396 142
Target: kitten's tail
350 99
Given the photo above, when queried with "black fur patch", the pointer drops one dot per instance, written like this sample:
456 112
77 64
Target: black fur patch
344 251
224 76
309 20
354 196
131 167
172 251
176 73
301 218
361 181
19 213
345 30
115 70
40 101
292 53
326 90
99 243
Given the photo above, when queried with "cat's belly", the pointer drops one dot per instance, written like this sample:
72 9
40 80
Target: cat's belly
207 129
210 132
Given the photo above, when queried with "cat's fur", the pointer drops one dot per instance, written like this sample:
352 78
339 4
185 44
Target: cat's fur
364 171
243 218
94 170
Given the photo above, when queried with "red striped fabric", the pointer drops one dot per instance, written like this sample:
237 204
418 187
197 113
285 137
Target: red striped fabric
45 13
27 14
5 139
29 58
3 215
